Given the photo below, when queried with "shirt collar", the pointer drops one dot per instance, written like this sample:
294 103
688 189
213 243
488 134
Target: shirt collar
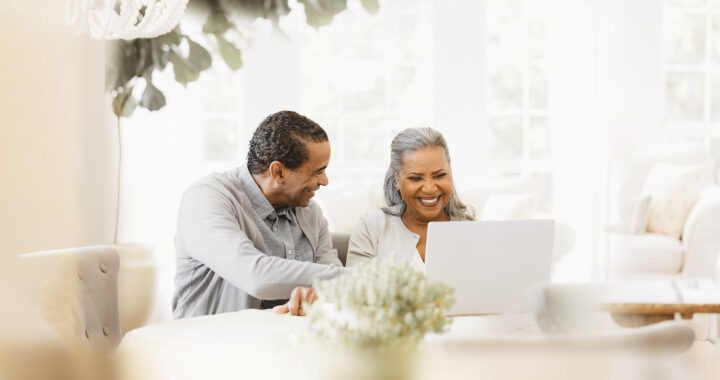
259 201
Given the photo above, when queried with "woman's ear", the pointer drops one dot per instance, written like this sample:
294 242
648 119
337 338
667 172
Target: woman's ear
276 170
397 183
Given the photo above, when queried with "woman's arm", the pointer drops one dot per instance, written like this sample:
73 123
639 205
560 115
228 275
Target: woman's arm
363 243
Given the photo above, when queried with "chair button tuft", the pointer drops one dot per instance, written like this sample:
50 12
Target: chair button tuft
80 275
103 268
87 334
106 331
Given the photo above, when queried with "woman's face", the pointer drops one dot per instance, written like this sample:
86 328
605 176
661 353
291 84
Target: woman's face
425 183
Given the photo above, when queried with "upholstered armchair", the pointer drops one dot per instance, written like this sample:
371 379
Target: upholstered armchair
68 309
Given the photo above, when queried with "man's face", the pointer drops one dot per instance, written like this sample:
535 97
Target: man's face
300 184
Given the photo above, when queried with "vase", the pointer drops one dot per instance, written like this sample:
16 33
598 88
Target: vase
365 364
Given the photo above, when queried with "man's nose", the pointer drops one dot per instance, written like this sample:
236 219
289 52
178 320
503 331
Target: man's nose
323 180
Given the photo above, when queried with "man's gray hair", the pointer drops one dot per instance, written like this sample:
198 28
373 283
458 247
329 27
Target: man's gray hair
410 140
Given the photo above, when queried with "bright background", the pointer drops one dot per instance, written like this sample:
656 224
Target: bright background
566 92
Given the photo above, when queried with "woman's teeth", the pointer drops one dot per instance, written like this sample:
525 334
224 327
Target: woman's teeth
429 201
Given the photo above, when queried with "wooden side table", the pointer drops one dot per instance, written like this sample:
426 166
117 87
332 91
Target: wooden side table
639 303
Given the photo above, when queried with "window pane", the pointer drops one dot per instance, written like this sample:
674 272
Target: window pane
537 39
716 39
685 39
538 88
506 30
506 137
684 96
687 3
408 88
715 97
221 140
715 3
370 98
539 137
505 88
221 91
365 139
319 91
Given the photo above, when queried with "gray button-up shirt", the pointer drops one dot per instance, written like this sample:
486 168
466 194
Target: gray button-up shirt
234 250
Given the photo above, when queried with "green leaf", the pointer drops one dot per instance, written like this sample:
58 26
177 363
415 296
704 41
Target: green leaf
321 12
184 73
152 98
216 23
372 6
198 57
229 53
159 54
170 38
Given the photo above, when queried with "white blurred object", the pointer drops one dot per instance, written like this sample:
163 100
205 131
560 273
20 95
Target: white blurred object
136 285
125 19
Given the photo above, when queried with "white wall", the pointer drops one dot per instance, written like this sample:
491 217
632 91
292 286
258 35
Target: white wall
57 151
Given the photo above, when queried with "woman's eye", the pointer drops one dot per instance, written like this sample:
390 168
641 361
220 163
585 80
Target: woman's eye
440 175
414 178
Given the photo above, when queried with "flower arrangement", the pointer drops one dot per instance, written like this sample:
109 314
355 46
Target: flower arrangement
382 305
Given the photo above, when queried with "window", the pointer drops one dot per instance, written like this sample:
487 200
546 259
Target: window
364 78
691 44
518 133
692 62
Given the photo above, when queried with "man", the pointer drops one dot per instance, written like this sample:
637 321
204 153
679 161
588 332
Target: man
251 237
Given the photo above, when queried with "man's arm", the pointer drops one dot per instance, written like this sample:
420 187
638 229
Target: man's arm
210 233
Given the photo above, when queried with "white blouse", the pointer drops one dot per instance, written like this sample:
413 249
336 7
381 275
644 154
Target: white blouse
379 235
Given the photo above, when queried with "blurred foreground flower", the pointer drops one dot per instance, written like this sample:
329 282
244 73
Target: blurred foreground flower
381 305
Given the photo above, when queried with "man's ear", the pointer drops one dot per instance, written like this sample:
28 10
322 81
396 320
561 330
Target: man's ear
276 171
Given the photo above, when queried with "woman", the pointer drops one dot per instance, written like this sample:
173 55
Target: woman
418 189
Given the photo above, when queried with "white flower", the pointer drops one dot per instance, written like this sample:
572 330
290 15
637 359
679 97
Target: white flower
383 304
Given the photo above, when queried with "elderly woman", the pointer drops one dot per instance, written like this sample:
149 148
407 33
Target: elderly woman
418 190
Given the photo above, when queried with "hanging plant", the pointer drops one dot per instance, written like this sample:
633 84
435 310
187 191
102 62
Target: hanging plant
131 64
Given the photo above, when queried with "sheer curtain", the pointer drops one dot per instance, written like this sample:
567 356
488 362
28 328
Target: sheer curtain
561 90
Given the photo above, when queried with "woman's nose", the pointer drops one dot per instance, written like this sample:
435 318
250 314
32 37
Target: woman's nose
429 187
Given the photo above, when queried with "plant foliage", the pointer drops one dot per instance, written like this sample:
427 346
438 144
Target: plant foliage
131 64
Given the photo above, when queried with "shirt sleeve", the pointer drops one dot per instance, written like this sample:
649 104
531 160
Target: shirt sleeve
362 247
213 234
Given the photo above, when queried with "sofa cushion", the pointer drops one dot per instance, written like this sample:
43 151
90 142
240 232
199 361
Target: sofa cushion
673 190
647 253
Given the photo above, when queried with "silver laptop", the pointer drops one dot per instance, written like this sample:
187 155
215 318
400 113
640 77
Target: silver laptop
494 266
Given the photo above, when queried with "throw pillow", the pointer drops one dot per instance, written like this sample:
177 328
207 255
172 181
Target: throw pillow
638 211
673 190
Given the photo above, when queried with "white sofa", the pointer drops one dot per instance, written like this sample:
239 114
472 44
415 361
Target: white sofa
636 253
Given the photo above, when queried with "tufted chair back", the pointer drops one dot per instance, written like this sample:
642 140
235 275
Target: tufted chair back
76 292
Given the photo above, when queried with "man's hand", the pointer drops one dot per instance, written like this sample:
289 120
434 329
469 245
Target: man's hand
297 297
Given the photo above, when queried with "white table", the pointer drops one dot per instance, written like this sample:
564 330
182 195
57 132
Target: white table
254 344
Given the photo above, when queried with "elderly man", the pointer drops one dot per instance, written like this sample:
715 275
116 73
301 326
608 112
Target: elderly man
251 237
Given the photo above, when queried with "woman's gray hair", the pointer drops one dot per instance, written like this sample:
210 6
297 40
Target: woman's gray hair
410 140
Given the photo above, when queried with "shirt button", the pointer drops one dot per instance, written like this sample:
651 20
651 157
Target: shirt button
289 251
